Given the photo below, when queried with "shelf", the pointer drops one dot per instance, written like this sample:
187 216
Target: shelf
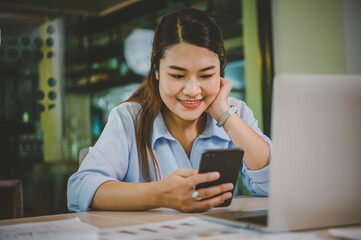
86 48
18 68
93 54
94 25
84 73
18 127
104 84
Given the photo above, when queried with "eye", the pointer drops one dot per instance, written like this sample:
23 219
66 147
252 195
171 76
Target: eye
206 76
177 76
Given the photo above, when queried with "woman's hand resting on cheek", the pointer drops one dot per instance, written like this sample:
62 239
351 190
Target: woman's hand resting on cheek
177 188
219 105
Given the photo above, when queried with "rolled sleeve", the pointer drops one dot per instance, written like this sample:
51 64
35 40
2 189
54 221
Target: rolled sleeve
85 190
256 181
108 160
82 185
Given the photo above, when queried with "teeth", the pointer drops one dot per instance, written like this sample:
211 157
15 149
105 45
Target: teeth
190 102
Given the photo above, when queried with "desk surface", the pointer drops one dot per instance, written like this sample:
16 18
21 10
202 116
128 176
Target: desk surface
109 219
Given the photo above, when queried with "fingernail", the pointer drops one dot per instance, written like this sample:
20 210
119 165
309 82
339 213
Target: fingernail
215 174
229 186
228 195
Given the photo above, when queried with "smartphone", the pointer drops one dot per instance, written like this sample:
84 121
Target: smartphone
228 162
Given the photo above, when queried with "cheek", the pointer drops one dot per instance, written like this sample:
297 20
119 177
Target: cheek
167 88
213 88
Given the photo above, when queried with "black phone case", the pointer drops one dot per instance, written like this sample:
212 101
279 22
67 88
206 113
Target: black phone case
228 162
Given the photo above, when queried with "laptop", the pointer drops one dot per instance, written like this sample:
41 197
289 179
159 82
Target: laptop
316 157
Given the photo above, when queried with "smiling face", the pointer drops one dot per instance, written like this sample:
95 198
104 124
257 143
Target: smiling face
189 81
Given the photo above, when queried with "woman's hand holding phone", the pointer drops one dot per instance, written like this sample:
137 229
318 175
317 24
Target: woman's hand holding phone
228 162
176 190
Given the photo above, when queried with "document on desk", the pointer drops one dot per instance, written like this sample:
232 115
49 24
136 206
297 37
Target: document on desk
193 228
55 230
347 233
187 228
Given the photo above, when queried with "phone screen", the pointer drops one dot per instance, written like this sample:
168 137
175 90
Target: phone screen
228 162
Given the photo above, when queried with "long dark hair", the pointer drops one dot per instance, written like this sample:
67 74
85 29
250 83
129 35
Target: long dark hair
184 26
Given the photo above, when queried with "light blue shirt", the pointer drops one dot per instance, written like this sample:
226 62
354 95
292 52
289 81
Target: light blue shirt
114 157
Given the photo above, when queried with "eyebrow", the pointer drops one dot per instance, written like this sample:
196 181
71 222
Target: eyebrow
183 69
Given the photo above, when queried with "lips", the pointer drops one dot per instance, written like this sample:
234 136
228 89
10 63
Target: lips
190 103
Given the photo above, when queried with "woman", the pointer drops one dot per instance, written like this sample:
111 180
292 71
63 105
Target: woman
149 150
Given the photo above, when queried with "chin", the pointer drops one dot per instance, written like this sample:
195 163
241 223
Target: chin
191 116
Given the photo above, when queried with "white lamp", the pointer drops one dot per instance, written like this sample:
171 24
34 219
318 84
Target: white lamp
138 50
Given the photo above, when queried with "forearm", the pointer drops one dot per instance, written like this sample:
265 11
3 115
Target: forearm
243 136
114 195
174 191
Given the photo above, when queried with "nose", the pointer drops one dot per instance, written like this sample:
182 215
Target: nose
192 87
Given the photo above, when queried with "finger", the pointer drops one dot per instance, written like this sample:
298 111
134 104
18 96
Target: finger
204 177
226 86
225 82
215 190
220 199
208 204
185 172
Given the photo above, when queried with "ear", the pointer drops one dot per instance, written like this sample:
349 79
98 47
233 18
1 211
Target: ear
157 75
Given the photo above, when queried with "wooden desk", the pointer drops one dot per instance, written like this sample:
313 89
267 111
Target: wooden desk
110 219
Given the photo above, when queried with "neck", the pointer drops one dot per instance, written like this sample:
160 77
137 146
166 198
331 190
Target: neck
185 131
177 125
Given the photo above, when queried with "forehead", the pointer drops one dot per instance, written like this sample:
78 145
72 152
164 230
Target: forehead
189 56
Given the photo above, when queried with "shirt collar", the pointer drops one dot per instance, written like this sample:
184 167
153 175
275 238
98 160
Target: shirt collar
212 130
160 130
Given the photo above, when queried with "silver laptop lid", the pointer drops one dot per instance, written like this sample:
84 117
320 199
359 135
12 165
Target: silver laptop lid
316 159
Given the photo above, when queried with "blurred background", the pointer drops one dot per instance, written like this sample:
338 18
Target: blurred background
65 64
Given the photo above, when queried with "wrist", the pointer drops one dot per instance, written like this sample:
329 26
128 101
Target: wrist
220 111
228 113
155 194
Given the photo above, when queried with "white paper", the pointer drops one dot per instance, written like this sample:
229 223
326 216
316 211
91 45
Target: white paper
348 233
195 229
187 228
63 229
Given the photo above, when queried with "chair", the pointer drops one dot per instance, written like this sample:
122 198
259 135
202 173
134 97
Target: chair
11 200
82 154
